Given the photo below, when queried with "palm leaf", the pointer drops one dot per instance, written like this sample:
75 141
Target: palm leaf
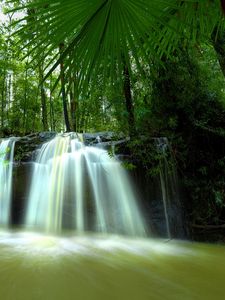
105 34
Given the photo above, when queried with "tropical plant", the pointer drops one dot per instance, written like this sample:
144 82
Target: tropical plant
113 33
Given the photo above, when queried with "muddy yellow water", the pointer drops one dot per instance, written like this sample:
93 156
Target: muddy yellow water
108 268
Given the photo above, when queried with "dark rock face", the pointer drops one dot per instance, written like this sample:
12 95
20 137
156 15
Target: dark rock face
151 200
102 137
26 146
21 181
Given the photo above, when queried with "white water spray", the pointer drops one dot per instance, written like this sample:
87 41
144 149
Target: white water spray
81 188
6 167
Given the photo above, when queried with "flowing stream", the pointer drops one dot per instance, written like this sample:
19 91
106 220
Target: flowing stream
6 167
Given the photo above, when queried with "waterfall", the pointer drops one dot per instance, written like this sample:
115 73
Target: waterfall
169 188
6 167
81 188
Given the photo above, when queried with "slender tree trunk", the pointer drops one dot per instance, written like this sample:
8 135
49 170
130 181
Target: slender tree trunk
52 117
43 99
223 6
218 41
3 100
73 104
8 96
129 102
82 117
25 102
63 91
73 111
34 117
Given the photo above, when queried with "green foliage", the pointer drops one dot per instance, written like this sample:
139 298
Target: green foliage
128 165
188 107
105 34
98 38
95 33
146 154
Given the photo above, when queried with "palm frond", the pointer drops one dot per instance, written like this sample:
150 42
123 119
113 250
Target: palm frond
105 34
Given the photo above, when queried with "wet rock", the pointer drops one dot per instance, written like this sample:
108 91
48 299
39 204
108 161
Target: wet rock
102 137
21 183
26 147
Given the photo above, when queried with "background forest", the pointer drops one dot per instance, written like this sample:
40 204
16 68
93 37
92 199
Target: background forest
154 70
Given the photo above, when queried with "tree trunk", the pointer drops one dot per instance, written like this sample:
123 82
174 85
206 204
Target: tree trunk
3 100
43 100
129 102
51 107
73 103
218 41
25 102
63 90
73 111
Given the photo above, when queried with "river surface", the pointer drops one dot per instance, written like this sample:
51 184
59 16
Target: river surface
38 267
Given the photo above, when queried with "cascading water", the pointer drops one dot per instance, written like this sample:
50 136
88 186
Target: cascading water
6 167
169 188
162 145
80 187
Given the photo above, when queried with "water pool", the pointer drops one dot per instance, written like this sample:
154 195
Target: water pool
34 266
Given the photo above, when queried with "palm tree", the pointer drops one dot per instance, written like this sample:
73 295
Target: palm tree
110 34
104 32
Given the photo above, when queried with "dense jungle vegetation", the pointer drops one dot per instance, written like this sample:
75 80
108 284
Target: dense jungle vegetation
144 68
